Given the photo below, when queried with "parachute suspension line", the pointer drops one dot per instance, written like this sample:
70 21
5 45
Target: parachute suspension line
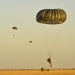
56 40
45 43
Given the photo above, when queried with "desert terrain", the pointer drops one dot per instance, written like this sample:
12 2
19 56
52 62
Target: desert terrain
37 72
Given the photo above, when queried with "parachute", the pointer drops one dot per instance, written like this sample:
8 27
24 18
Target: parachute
51 16
30 41
14 28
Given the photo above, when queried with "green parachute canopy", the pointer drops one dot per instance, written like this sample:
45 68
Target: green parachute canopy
51 16
15 28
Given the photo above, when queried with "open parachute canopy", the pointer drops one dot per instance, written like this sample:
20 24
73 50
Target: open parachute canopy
15 28
51 16
30 41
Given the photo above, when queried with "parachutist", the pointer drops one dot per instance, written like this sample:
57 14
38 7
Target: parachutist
49 60
51 16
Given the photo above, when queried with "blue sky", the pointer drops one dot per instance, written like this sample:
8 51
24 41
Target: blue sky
17 53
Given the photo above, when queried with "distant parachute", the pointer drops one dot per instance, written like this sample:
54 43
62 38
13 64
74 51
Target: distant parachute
30 41
51 16
15 28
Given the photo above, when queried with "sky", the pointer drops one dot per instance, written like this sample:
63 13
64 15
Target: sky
17 53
